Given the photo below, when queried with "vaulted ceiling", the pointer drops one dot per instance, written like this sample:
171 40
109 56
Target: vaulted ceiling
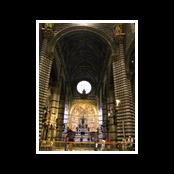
85 54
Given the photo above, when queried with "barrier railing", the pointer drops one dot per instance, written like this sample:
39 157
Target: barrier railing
107 146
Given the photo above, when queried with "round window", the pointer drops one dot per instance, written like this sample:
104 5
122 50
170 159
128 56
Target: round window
84 87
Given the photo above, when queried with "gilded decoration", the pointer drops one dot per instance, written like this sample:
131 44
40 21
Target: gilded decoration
86 110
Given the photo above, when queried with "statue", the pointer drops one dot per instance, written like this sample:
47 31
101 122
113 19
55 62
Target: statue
45 132
45 124
45 111
83 92
48 25
52 131
117 29
82 121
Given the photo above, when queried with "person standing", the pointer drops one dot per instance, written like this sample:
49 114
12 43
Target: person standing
103 145
124 144
70 139
66 142
96 146
130 143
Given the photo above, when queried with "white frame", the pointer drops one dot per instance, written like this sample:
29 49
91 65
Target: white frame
86 22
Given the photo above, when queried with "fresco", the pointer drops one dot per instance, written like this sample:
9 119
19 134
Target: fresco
86 110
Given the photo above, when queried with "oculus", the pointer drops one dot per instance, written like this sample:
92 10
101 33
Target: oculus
84 87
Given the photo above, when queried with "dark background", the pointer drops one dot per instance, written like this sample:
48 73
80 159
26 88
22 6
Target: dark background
20 74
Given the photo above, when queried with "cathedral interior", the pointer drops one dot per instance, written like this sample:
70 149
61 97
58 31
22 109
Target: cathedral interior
86 87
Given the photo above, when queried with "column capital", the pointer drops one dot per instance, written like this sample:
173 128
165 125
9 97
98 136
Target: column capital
118 32
48 33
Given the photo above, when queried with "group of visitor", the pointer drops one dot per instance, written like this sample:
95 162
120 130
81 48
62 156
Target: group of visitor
128 144
100 146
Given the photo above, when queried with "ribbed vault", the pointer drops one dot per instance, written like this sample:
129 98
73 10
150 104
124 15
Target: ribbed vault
85 54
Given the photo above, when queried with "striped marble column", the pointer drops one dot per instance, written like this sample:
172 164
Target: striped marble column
105 117
60 117
112 122
45 63
54 110
57 108
122 88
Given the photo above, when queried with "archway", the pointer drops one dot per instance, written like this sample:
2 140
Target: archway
65 31
86 51
83 68
83 109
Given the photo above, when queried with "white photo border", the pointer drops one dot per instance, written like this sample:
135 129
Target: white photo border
37 86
